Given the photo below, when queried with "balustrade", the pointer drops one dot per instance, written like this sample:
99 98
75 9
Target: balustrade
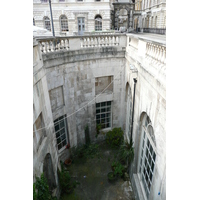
156 52
54 44
99 41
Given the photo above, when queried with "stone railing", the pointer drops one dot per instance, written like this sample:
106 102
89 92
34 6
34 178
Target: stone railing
99 41
96 33
53 44
156 52
56 44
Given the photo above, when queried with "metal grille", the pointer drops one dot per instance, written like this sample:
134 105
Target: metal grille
103 114
47 23
61 131
98 23
64 23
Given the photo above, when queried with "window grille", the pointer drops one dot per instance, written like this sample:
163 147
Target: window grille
64 23
148 156
60 127
98 23
103 114
47 23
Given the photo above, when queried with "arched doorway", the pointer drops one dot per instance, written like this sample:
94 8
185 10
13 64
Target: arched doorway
48 172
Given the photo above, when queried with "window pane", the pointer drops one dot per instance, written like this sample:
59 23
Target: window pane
56 128
154 156
103 116
103 110
98 121
103 104
59 146
109 103
58 140
62 124
108 109
63 137
97 116
97 105
64 143
97 111
57 134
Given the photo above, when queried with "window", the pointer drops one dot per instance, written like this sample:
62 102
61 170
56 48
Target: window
47 23
103 114
64 23
44 1
98 23
61 0
60 127
147 156
33 22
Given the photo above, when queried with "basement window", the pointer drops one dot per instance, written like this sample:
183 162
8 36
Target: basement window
60 126
103 114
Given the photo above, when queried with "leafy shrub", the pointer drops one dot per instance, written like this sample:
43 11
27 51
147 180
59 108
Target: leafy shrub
115 137
118 168
126 152
41 189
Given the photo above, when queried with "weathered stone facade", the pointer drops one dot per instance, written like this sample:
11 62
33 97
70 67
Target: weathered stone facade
68 80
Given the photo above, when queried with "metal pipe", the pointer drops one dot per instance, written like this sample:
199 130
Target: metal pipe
135 81
51 19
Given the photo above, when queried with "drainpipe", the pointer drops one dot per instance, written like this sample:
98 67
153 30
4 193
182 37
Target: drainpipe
51 18
135 81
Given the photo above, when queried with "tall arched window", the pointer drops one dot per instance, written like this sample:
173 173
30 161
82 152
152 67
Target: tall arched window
98 23
64 23
47 23
147 155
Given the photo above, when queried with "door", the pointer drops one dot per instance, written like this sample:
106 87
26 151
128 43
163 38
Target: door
81 25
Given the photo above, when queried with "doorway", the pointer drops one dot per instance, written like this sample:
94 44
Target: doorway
81 25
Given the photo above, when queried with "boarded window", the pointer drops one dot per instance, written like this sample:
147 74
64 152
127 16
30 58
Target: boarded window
56 98
103 84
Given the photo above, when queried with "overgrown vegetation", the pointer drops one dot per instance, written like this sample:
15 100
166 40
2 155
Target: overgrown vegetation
66 184
118 168
41 189
86 151
87 135
115 137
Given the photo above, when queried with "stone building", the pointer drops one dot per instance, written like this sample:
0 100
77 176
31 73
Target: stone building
90 79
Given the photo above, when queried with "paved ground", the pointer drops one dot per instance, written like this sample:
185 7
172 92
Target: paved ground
94 184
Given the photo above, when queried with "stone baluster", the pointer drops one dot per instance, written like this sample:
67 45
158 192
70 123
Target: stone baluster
62 44
95 41
159 54
67 44
164 56
41 47
58 46
114 40
45 47
54 44
117 40
106 41
147 49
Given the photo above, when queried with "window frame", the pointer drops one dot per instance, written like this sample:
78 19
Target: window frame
100 113
57 122
61 28
147 161
97 23
45 20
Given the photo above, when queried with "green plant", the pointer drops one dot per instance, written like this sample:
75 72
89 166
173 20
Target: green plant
41 189
66 183
98 128
115 137
126 152
118 168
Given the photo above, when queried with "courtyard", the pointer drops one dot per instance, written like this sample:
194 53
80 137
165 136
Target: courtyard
91 174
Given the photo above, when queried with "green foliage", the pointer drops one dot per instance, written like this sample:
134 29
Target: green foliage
115 137
126 152
66 183
86 151
118 168
41 189
98 128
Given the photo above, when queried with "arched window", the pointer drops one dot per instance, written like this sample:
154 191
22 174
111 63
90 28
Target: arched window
33 22
98 23
64 23
47 23
147 155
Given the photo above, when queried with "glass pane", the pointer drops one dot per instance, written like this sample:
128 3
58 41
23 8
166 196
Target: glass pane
109 103
97 116
98 105
148 143
154 156
97 111
59 146
62 124
63 137
103 104
151 149
98 121
58 140
64 143
103 115
107 114
57 134
152 165
108 125
56 128
79 27
103 125
150 176
103 110
108 109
